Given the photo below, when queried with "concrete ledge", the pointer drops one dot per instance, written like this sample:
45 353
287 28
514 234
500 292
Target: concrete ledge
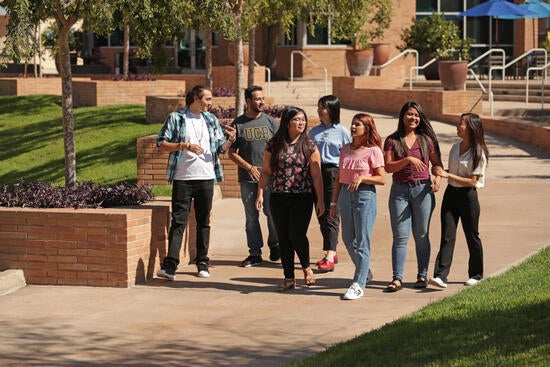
11 280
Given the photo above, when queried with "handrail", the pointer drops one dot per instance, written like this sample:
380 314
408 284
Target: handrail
311 62
479 58
533 68
268 92
418 68
504 67
403 53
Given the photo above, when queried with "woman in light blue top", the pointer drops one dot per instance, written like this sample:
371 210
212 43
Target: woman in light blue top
330 137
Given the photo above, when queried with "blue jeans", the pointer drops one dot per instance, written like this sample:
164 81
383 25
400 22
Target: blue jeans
358 211
410 207
249 191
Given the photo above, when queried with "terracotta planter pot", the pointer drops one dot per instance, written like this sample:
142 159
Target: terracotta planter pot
231 53
381 53
359 61
453 74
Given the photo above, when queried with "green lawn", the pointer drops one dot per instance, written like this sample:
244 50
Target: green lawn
31 137
503 321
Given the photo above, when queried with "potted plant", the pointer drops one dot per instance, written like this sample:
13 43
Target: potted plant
437 37
359 22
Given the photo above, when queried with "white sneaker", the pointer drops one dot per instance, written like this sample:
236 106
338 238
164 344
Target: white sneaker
471 281
437 282
204 274
163 274
355 291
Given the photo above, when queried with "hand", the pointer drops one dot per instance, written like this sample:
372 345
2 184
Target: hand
319 208
230 131
435 185
195 148
417 163
333 212
254 173
259 203
355 183
439 171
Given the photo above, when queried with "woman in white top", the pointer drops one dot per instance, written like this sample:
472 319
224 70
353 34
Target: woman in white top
466 173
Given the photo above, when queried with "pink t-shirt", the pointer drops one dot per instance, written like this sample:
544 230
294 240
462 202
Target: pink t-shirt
359 162
409 173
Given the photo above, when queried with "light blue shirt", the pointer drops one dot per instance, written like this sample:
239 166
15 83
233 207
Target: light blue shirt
329 141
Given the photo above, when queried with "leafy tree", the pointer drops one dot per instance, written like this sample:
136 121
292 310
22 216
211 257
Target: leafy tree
65 13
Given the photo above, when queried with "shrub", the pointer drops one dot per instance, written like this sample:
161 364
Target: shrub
228 113
133 78
82 195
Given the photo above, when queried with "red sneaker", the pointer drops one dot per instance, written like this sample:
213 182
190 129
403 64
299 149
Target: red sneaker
322 261
327 266
336 258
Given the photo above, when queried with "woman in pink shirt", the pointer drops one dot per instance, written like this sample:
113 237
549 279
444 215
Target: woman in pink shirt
361 167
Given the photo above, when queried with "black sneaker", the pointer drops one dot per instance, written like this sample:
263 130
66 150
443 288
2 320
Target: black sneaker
202 270
252 261
166 274
274 253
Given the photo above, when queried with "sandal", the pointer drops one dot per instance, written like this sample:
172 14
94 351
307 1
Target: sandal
286 285
395 285
421 282
308 276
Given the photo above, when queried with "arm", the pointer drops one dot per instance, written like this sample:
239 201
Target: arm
335 195
252 170
435 160
378 179
392 165
466 181
317 177
264 178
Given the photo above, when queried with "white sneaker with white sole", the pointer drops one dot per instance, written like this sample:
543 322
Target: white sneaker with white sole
437 282
354 292
471 281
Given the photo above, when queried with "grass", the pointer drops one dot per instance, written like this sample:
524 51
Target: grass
503 321
31 137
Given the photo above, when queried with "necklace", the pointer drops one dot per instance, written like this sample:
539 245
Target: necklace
198 127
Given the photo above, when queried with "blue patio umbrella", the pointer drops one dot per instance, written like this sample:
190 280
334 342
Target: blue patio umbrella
540 10
496 9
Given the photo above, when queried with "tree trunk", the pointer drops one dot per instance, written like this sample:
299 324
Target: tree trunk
239 63
251 56
208 58
126 57
67 104
273 40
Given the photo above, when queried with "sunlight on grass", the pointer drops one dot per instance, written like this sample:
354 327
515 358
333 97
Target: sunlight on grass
503 321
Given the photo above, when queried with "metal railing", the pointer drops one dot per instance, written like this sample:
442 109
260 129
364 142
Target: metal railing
418 68
404 53
268 92
481 57
534 68
503 69
311 62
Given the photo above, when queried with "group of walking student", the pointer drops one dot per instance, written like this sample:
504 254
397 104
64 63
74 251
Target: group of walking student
288 172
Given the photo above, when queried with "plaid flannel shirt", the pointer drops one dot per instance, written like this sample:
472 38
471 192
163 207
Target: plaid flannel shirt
173 131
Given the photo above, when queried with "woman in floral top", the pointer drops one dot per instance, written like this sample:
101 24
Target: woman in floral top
292 166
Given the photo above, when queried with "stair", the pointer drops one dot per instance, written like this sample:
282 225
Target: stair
300 93
507 90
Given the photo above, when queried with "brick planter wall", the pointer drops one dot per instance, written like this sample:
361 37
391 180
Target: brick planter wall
109 92
28 86
93 247
158 107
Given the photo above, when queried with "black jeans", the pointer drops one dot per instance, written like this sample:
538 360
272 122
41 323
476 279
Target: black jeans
201 192
329 226
459 203
291 214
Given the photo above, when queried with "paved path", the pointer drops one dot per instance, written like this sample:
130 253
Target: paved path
235 318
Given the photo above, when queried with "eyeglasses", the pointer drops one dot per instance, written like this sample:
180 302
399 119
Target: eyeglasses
298 119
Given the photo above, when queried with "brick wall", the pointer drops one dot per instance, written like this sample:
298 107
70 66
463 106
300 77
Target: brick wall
108 92
358 93
94 247
28 86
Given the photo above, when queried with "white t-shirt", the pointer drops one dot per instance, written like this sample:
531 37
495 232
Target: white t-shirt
461 165
192 166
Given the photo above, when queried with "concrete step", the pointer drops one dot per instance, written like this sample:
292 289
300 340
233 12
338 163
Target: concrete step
11 280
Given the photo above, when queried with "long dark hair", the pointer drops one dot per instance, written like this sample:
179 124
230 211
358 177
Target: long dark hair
423 131
332 104
198 90
477 138
281 139
371 137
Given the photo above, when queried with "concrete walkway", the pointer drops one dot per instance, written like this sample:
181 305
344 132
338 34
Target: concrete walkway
235 318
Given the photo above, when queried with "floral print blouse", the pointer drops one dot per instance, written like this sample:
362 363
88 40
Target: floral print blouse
292 175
